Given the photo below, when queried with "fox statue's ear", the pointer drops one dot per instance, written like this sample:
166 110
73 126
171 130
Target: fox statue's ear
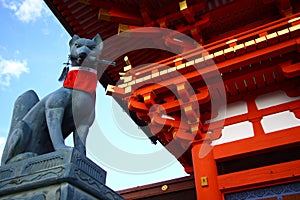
99 42
97 39
74 38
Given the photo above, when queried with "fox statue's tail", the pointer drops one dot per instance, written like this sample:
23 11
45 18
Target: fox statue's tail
21 107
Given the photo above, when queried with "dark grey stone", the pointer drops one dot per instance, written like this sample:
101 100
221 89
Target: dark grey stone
62 174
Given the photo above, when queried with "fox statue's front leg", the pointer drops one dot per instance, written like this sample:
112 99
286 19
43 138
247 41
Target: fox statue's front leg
79 138
54 117
54 109
81 132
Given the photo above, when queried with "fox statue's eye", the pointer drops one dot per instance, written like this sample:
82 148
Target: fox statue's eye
92 47
77 45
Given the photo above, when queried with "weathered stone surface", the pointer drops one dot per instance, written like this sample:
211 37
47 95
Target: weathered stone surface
63 174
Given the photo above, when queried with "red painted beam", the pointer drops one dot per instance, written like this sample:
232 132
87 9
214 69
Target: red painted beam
109 5
255 144
291 70
260 177
231 64
120 16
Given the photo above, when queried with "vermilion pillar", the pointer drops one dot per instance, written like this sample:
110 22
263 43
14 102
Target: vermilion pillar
205 172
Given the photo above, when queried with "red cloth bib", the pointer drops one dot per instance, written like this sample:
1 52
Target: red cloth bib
82 79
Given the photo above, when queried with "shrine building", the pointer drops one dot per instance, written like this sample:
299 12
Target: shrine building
216 82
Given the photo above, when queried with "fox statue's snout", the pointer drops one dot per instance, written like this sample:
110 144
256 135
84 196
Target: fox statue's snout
82 53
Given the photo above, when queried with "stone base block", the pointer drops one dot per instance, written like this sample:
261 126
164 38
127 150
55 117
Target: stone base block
63 175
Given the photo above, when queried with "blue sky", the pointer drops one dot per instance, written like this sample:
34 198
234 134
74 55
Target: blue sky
33 48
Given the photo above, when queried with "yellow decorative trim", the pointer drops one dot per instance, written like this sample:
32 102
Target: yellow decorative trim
86 2
103 14
183 5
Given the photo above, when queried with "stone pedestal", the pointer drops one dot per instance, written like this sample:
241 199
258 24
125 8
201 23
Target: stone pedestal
63 175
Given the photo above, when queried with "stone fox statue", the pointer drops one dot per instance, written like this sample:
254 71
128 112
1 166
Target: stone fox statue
40 126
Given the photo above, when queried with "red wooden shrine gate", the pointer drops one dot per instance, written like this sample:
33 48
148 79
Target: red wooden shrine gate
253 63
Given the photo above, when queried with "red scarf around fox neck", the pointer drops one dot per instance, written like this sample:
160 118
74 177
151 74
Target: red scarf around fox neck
81 78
